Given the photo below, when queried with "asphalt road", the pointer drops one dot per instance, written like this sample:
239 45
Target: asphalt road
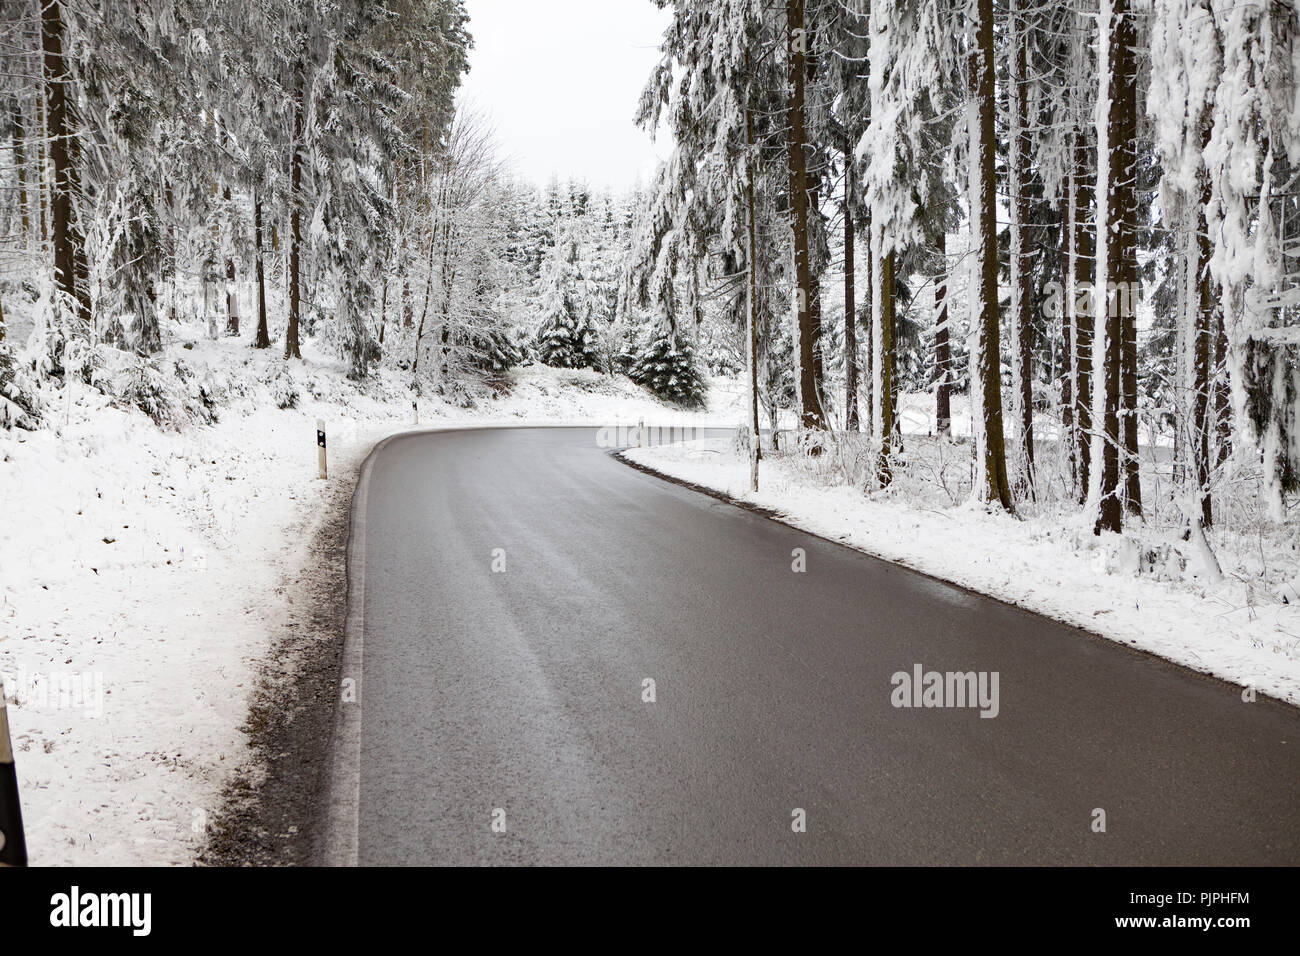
521 691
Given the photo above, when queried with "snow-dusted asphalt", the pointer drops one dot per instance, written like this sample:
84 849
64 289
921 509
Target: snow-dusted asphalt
521 691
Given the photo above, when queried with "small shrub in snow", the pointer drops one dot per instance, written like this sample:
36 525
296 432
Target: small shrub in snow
142 386
18 403
495 351
668 368
283 390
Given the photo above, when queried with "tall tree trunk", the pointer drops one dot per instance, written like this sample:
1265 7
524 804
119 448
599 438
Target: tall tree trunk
1111 295
291 350
66 234
263 340
868 304
885 355
850 303
1082 304
428 291
1202 347
1201 379
232 292
227 216
1124 78
815 299
810 411
942 349
752 159
984 240
1021 311
1110 506
42 168
1222 392
399 250
1066 372
815 224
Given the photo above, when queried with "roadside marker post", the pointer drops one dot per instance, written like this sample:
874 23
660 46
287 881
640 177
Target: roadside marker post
13 846
320 446
640 433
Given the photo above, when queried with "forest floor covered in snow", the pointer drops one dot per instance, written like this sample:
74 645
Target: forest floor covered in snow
1147 589
147 571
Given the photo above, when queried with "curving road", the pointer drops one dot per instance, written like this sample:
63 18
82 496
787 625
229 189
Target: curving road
521 691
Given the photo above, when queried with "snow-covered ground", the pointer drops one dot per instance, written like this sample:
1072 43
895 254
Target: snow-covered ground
1147 592
145 573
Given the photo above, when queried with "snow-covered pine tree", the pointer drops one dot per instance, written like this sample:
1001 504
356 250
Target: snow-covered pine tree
567 336
1253 156
719 197
911 58
668 367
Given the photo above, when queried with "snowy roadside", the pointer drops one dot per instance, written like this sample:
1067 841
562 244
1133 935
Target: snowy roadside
145 572
1072 577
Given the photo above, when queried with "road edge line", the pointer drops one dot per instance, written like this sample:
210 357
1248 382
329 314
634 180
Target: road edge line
343 805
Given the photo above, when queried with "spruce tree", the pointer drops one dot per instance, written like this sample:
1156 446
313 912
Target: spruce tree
668 368
567 337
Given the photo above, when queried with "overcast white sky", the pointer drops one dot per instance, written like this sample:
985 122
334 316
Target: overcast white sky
561 78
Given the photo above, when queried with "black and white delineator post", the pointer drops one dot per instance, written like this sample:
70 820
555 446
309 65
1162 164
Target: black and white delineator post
320 447
13 846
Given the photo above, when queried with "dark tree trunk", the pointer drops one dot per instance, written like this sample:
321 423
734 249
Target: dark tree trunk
1112 291
1119 486
66 234
1066 375
888 415
1202 349
1126 215
1024 311
1083 305
815 300
263 340
811 415
232 294
989 369
868 371
850 305
753 288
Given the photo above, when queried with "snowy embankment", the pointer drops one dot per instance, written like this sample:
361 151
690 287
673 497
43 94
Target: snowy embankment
1229 629
145 573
